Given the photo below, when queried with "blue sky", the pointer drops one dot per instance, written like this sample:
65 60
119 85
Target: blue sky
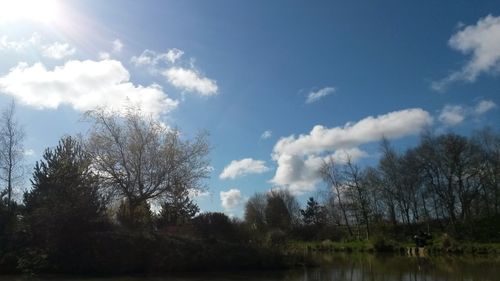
322 78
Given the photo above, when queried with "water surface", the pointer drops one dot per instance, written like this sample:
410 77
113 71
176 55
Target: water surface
343 267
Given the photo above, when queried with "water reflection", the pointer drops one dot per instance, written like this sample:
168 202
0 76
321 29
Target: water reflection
345 267
397 268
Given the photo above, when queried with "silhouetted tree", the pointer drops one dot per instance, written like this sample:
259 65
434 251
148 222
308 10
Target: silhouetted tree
255 215
63 206
141 159
213 225
314 213
11 152
333 177
277 214
139 218
177 207
358 193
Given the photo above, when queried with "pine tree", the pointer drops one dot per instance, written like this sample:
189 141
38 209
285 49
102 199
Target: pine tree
313 214
64 204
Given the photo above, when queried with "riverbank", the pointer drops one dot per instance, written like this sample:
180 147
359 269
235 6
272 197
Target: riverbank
379 245
121 253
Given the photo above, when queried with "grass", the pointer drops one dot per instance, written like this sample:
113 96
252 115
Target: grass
436 246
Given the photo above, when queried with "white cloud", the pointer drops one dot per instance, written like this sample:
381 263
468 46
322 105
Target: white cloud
29 152
190 80
117 46
104 55
300 173
151 58
83 85
186 79
238 168
266 135
482 42
298 158
452 115
391 125
231 199
316 96
194 193
146 58
58 50
484 106
173 55
19 45
54 50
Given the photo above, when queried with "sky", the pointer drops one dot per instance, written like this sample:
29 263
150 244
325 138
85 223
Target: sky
279 85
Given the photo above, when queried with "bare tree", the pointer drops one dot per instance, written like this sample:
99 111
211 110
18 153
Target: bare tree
333 177
391 178
358 192
489 143
11 151
141 159
452 166
255 214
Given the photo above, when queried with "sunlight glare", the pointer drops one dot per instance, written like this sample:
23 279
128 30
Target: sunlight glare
45 11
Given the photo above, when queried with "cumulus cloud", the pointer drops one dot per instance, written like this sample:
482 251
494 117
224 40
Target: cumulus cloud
83 85
231 199
391 125
191 81
482 42
266 135
117 45
484 106
300 173
54 50
238 168
298 158
19 45
58 50
152 58
452 115
187 79
104 56
316 96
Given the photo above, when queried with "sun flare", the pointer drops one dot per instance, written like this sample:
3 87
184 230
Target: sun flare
45 11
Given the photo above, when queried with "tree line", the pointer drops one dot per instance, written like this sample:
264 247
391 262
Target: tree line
117 200
447 183
92 196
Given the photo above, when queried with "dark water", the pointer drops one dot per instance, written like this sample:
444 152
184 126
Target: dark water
350 267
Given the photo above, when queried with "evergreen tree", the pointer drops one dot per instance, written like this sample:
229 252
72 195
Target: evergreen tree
313 214
177 208
63 206
277 214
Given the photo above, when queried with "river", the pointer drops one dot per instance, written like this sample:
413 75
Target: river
343 267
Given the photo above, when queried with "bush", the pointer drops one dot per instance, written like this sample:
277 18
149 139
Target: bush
382 244
276 238
447 242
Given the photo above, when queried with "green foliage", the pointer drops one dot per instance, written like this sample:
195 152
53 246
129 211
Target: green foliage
314 213
177 208
277 214
215 226
62 208
135 216
8 221
276 238
255 216
382 244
